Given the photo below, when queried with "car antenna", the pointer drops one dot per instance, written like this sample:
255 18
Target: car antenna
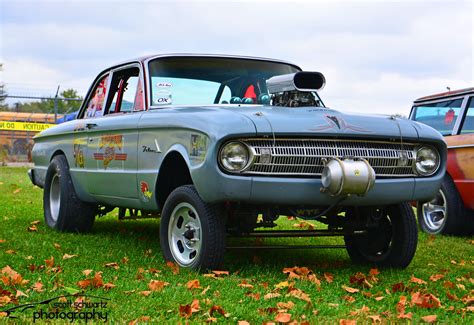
449 89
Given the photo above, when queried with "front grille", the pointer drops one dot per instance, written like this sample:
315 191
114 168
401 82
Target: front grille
305 157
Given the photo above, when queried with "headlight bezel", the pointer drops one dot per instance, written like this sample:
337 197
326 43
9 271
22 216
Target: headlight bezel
420 172
250 157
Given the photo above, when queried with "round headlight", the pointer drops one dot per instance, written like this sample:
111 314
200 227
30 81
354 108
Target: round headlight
234 156
427 161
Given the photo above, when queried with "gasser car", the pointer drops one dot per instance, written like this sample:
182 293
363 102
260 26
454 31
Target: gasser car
451 211
225 145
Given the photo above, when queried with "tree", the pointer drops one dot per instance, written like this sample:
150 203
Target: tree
3 93
47 105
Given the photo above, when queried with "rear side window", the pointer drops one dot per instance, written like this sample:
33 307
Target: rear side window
468 123
440 115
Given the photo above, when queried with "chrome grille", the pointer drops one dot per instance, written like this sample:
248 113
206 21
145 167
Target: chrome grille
304 157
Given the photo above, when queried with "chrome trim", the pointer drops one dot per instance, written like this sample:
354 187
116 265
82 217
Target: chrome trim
305 157
461 146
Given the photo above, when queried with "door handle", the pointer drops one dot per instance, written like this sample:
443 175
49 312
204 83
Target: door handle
91 125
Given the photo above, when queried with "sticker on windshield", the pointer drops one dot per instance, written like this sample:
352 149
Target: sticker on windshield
163 93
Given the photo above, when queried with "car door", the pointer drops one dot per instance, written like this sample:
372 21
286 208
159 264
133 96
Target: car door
112 139
461 155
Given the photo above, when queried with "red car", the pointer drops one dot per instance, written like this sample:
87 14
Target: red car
452 114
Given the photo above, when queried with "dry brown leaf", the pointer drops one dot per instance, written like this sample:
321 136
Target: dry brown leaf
38 287
329 277
173 266
17 190
429 318
416 280
217 309
245 284
189 309
255 296
145 293
113 265
436 277
83 284
349 289
271 295
87 272
297 293
67 256
156 285
375 319
282 285
349 299
32 228
243 322
285 305
57 246
379 298
219 273
347 322
193 284
2 241
108 286
20 294
283 317
401 304
50 262
405 316
425 300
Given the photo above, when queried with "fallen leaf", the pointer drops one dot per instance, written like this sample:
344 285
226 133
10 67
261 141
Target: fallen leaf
67 256
297 293
425 300
243 322
429 318
349 299
17 191
349 289
173 266
113 265
193 284
50 262
83 284
219 273
10 251
2 241
329 277
283 317
245 284
38 287
87 272
36 222
255 296
282 285
156 285
416 280
217 309
20 294
145 293
347 322
57 246
375 319
436 277
285 305
379 298
32 228
108 286
405 316
271 295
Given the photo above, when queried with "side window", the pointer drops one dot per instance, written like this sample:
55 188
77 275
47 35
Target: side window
439 115
468 123
125 92
95 106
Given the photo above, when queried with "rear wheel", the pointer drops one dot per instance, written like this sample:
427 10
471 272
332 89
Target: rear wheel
63 210
192 234
445 213
391 239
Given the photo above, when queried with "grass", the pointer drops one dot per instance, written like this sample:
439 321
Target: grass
134 246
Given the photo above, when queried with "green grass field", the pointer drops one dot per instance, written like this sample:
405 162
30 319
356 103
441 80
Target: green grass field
445 264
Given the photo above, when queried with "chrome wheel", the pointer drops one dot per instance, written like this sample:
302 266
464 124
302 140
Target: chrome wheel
55 197
184 234
434 212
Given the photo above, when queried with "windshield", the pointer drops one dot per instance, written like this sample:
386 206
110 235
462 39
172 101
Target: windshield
211 80
440 115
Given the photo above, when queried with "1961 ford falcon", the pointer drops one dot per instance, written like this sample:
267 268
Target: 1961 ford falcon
225 145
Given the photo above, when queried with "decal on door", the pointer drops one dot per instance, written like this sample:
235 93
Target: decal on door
145 190
110 148
78 153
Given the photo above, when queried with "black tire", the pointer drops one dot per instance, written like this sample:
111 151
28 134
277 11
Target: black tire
182 205
454 220
391 244
70 214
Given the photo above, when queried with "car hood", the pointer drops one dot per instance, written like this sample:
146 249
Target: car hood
308 121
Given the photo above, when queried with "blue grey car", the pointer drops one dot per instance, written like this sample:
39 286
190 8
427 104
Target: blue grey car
220 146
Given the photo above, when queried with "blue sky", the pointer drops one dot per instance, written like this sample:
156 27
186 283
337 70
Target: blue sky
378 56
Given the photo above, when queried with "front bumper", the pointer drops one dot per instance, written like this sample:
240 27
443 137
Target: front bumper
306 191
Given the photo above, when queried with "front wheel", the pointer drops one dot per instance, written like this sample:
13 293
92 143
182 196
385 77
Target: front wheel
390 240
192 234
